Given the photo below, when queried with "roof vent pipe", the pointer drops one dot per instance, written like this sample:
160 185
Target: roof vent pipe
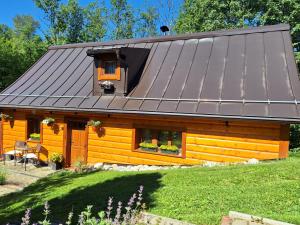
164 29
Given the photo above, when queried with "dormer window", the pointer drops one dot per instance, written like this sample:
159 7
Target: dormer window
109 70
117 70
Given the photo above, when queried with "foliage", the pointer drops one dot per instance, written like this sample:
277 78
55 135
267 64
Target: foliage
35 136
95 15
197 195
130 214
56 158
173 148
148 145
48 121
72 23
122 18
4 116
94 123
294 136
208 15
80 166
20 47
25 26
3 176
147 22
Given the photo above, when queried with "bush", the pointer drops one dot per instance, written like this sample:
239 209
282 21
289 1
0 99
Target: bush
129 215
3 176
294 136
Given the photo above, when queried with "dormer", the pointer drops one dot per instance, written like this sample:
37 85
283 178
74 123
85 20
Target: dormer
117 70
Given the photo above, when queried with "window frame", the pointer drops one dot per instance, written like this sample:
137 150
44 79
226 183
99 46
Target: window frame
135 141
27 128
105 76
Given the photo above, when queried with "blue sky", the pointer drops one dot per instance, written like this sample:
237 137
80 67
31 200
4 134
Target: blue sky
10 8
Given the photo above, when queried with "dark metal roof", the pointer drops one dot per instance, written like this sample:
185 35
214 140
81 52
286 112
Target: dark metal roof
249 73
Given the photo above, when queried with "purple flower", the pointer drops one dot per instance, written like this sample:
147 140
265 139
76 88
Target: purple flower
26 218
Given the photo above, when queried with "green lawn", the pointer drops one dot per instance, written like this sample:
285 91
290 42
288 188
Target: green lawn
198 195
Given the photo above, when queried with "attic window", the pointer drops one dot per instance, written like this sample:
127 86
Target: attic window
109 70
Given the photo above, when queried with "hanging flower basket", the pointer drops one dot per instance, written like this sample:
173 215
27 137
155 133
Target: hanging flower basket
95 124
48 121
6 117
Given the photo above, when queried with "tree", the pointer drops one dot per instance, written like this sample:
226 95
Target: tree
147 25
72 16
207 15
72 23
122 18
25 26
95 20
20 47
55 20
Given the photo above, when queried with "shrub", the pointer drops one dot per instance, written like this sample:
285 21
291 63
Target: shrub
56 158
294 136
129 215
3 176
80 166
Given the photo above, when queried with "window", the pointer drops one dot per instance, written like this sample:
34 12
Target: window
109 70
33 129
110 67
167 142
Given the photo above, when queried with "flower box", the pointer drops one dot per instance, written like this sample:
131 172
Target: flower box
169 152
149 149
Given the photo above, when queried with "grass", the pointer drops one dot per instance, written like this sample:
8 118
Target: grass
3 176
197 195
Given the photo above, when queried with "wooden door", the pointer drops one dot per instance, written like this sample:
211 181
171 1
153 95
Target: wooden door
77 142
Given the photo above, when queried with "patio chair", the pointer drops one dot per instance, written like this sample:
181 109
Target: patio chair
19 148
33 154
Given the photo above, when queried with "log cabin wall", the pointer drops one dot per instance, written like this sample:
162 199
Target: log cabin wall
213 140
13 130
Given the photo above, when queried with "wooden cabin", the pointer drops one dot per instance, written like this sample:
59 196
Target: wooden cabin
225 96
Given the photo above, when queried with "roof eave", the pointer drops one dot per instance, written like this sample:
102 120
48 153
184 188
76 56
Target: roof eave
150 113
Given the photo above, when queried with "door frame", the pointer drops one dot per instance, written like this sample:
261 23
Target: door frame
67 140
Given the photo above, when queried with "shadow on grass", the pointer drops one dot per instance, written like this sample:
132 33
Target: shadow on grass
120 187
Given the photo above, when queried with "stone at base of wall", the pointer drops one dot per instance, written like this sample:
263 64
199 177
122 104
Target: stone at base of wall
151 219
246 219
126 167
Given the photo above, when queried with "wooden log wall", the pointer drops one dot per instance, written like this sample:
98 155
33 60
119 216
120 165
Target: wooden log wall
212 140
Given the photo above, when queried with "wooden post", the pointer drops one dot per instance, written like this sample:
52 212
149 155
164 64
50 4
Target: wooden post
1 139
86 144
66 145
284 141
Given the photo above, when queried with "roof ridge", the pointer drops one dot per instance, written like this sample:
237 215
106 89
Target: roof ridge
209 34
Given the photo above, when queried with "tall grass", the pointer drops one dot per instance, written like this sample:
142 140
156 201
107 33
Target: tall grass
3 176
